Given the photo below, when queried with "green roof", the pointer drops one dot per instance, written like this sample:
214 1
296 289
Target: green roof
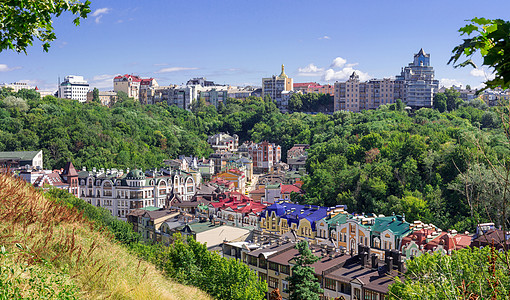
150 208
22 155
273 186
395 224
201 227
339 218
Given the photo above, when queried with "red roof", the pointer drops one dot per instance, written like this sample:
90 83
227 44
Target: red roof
258 191
244 206
146 81
133 77
304 84
448 240
289 188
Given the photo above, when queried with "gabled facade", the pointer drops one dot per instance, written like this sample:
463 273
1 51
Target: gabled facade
283 217
120 193
235 176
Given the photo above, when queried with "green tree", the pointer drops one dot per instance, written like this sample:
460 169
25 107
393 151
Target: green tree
15 102
24 20
295 102
95 96
469 273
302 283
399 105
440 102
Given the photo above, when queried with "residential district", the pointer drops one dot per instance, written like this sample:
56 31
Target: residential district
240 202
415 86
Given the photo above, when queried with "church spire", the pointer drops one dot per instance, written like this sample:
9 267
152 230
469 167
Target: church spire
283 75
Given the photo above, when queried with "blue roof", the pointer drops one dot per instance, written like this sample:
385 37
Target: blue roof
294 212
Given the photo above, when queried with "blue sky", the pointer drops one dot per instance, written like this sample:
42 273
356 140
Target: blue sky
239 42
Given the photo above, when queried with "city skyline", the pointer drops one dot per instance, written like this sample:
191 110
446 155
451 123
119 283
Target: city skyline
239 43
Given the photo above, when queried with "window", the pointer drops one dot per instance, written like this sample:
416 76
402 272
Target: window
285 285
285 269
252 260
371 295
357 294
330 284
273 266
272 282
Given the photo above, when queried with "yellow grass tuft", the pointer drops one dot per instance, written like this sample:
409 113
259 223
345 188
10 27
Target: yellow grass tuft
48 248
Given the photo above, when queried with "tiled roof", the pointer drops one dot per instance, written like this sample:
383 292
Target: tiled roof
395 224
23 155
289 188
338 218
69 170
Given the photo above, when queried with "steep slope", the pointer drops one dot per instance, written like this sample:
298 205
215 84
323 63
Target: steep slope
49 251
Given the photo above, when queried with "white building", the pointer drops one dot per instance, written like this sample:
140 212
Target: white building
16 86
74 87
120 193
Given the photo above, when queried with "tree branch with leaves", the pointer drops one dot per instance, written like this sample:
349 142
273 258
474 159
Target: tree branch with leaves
22 21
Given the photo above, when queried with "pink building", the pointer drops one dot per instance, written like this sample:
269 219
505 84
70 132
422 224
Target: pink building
264 155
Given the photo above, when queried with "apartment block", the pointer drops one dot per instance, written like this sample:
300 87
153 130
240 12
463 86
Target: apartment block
73 87
356 96
275 85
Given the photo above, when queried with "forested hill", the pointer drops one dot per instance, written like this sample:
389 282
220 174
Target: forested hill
380 161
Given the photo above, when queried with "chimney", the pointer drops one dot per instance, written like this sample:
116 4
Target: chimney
375 263
364 257
400 267
360 248
387 253
389 265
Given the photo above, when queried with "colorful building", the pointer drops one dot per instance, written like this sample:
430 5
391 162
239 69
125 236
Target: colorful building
283 217
235 176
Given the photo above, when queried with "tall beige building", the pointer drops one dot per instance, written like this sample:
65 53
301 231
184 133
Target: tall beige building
134 86
275 85
353 95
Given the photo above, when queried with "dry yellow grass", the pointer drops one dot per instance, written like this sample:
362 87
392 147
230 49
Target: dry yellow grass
42 237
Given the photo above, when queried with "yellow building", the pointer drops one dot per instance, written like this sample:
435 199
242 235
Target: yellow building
235 176
283 217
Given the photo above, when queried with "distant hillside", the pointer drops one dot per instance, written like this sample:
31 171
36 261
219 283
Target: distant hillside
48 251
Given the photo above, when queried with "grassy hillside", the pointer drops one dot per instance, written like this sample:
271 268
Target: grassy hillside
49 251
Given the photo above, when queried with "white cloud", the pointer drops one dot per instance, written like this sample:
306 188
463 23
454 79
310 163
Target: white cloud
174 69
5 68
338 62
98 13
310 70
338 70
447 82
344 74
325 38
482 73
103 81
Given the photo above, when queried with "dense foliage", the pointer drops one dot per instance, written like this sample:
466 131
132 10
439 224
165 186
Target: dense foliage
189 262
311 102
466 274
91 135
381 161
